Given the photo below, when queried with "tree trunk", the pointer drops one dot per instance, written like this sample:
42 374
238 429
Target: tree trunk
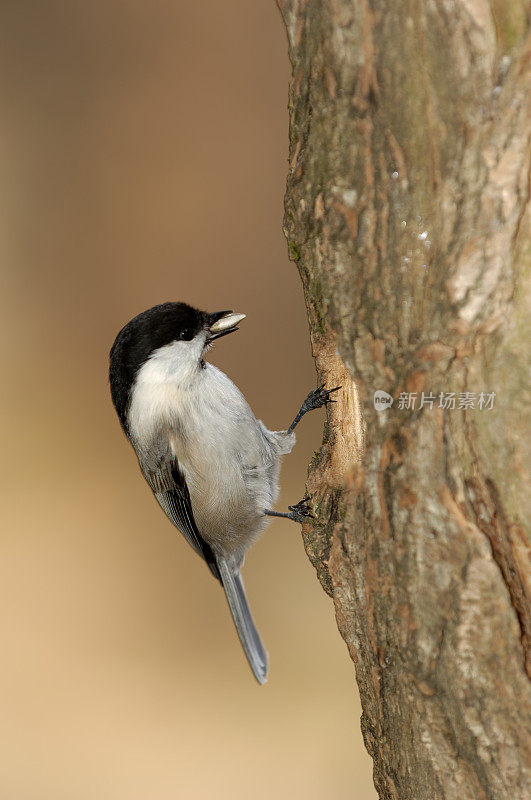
407 212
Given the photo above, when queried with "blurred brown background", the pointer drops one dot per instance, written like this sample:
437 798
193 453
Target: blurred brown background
143 155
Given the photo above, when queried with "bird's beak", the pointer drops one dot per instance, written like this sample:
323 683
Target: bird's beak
222 323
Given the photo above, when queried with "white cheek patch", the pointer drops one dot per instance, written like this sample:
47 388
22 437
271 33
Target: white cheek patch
157 391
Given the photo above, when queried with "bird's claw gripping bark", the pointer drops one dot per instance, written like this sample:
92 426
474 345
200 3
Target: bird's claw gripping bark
319 397
301 510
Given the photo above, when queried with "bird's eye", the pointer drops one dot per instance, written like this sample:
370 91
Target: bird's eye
187 334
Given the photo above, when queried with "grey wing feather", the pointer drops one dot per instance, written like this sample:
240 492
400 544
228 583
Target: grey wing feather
179 511
170 489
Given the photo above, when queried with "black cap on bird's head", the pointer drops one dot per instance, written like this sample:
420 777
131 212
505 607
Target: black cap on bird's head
155 328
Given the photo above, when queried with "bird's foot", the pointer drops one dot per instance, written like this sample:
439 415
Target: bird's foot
301 510
298 512
319 397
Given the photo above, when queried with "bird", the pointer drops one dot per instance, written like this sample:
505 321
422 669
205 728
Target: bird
212 466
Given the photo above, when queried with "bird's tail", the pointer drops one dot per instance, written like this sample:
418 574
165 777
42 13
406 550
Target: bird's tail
235 592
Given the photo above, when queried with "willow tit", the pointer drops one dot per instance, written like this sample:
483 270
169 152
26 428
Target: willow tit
211 465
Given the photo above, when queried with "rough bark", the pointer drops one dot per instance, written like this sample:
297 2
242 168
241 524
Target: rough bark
407 213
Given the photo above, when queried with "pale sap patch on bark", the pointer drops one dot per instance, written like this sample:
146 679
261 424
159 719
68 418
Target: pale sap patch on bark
346 418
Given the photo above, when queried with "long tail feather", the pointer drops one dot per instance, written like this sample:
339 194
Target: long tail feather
252 645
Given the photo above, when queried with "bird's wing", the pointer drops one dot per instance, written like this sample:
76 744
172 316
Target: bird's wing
169 487
168 483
